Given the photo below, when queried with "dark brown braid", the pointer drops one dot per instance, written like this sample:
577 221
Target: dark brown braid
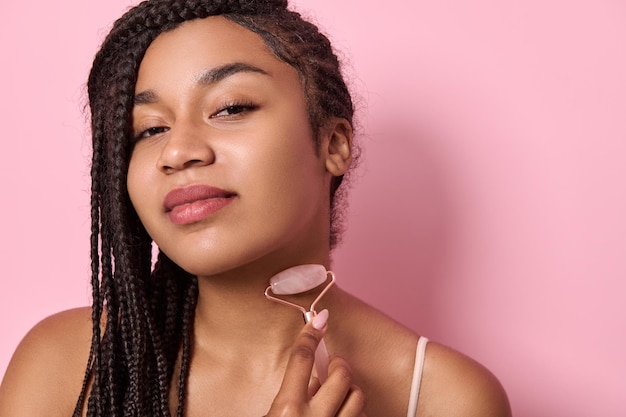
147 313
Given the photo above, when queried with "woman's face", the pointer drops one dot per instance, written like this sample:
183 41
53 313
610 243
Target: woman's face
224 171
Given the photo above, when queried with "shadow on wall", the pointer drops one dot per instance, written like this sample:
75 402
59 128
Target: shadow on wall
397 228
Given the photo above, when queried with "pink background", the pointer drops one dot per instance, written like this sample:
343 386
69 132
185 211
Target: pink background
488 212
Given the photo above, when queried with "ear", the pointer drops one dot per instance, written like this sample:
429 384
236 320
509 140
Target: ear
337 146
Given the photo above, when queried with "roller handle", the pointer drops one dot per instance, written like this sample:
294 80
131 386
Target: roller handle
321 362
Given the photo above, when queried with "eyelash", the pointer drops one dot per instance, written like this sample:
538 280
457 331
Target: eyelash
238 107
235 109
151 131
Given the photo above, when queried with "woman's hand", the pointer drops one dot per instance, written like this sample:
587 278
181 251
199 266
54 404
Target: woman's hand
303 396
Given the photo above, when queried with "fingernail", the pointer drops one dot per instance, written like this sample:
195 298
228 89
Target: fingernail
320 320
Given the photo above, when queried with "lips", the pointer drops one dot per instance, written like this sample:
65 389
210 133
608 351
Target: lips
195 202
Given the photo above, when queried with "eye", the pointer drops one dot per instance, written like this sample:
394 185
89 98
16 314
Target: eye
234 110
151 131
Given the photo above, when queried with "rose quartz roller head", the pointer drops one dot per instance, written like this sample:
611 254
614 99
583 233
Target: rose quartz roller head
296 280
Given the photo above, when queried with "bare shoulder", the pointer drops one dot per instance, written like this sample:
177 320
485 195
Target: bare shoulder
382 354
380 351
456 385
46 372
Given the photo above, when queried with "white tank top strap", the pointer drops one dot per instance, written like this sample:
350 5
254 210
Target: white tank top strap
420 354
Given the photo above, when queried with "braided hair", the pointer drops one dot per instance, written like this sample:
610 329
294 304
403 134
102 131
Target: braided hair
142 314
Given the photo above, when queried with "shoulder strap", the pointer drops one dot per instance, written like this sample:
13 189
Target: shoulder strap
420 354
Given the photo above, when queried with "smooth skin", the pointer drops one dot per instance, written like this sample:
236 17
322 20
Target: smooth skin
216 107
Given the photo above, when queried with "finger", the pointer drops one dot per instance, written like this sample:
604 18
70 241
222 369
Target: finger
334 392
354 404
314 386
300 364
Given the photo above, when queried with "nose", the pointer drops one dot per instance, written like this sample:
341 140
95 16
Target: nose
185 147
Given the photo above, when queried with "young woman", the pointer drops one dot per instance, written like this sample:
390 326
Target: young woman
221 132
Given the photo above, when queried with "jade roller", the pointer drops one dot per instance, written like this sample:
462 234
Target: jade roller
297 280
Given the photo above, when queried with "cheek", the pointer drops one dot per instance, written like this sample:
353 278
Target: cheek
292 175
287 165
137 182
132 180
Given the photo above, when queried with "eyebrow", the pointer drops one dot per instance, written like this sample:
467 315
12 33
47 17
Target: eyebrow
208 77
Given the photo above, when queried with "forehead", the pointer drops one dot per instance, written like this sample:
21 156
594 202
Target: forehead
205 43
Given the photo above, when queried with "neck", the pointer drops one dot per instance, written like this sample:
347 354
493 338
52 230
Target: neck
233 312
